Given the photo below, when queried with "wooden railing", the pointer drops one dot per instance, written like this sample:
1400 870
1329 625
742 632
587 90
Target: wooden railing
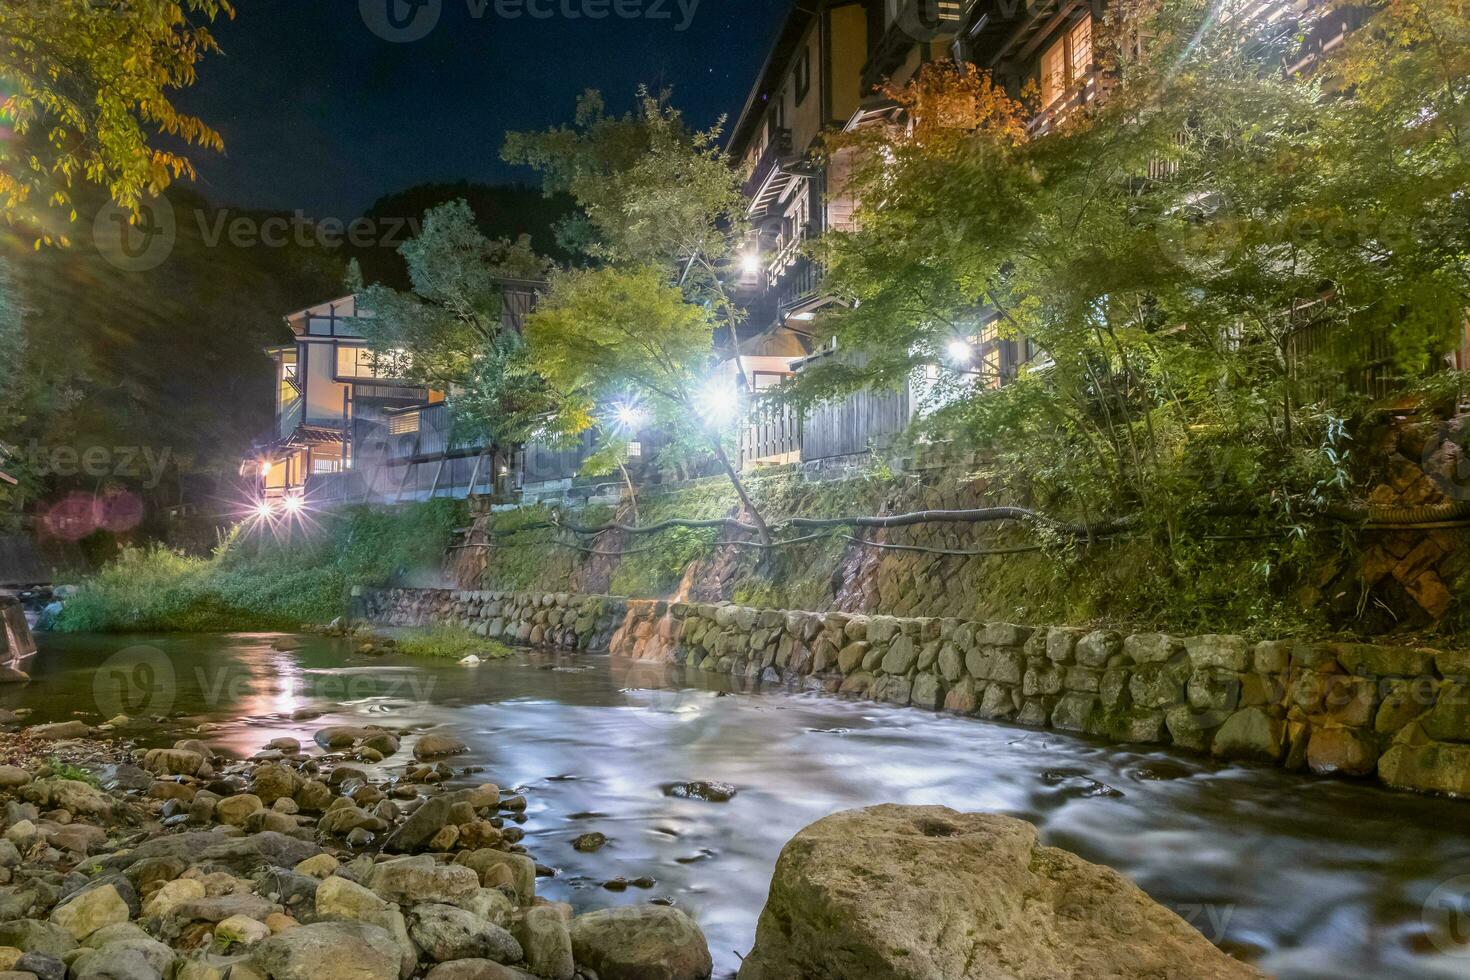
773 434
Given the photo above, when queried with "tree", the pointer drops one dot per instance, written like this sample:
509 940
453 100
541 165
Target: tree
88 92
625 337
662 214
163 369
501 211
1210 267
435 333
449 332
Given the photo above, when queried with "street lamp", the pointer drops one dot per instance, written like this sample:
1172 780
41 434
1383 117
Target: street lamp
293 504
629 416
718 401
960 352
750 262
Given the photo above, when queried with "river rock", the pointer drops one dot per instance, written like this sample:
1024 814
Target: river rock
44 966
546 942
445 932
174 762
432 746
270 782
647 942
91 910
475 970
35 936
701 789
71 795
339 950
59 730
409 881
13 776
171 895
519 870
878 893
238 854
235 810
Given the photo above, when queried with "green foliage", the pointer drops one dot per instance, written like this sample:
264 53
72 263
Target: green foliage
1198 336
434 333
65 770
88 92
163 367
260 581
663 211
652 191
450 643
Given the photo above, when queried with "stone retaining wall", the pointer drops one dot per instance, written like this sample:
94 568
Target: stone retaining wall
1398 713
558 621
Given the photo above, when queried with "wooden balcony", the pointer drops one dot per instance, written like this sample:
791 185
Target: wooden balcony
769 179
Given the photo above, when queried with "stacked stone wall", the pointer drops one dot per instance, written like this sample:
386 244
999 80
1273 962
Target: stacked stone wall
1400 714
557 621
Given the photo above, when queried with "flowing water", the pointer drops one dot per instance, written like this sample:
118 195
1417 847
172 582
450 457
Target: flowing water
1306 878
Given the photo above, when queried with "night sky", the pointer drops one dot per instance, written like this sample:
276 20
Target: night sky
320 113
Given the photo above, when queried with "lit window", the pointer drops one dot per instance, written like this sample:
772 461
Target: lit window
1067 62
635 449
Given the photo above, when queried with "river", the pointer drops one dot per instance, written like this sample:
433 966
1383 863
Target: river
1303 877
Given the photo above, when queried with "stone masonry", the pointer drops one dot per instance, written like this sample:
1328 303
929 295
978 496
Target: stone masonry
1399 714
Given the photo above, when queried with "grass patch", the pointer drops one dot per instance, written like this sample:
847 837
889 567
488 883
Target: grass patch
65 770
258 581
451 642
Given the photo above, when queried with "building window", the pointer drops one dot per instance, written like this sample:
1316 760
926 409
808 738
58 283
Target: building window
1067 62
803 77
635 449
406 423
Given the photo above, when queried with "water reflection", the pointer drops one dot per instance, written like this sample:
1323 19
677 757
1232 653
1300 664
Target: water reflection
1307 878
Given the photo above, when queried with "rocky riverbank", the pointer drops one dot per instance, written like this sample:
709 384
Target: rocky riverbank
347 858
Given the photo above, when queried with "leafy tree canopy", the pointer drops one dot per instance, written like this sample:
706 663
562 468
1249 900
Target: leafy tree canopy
88 91
1202 276
435 333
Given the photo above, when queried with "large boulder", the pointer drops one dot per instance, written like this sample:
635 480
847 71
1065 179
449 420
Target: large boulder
928 893
446 933
646 942
339 950
239 854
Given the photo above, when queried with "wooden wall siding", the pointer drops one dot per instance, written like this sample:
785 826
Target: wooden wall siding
542 464
856 424
775 431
